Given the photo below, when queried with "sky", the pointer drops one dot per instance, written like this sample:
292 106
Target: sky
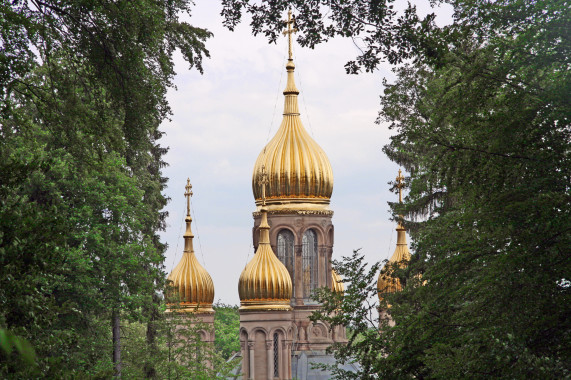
222 120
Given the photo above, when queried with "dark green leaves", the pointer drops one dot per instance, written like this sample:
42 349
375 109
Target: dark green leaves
381 32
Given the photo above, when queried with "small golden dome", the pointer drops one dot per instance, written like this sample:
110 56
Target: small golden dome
337 282
386 282
299 171
190 281
265 283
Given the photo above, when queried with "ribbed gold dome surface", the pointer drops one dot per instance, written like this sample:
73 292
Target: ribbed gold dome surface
265 283
298 170
386 283
337 282
192 282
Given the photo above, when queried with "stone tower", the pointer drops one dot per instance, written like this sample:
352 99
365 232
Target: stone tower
387 282
292 184
191 284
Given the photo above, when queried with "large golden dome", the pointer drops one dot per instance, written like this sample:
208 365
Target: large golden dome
191 284
265 283
299 172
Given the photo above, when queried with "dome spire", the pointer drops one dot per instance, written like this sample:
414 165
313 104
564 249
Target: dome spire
401 252
263 182
299 172
188 235
192 282
400 185
289 22
291 92
264 226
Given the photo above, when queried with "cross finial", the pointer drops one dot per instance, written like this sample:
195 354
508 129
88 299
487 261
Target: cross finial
290 30
263 182
188 194
400 185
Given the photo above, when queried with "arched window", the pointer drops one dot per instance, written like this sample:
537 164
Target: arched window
309 262
276 356
285 251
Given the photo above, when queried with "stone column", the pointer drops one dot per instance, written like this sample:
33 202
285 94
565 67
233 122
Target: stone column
329 280
245 364
287 360
322 267
283 361
270 354
298 291
251 346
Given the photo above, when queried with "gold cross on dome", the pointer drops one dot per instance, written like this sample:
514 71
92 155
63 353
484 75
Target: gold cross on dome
263 182
400 185
289 22
188 194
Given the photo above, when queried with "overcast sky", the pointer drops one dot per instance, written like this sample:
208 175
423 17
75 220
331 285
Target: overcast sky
222 120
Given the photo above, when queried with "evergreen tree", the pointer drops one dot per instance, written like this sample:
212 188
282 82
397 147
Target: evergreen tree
82 91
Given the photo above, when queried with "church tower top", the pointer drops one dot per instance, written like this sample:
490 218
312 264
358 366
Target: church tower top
192 282
386 282
265 283
299 173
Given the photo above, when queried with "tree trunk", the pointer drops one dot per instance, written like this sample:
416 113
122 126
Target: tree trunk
150 371
115 321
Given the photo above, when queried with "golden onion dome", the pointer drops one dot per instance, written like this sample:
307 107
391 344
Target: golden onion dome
265 283
337 282
386 282
192 286
299 172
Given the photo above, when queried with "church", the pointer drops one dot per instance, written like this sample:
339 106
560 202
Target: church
293 237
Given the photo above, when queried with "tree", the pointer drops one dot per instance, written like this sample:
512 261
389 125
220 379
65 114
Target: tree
188 355
482 124
489 132
9 342
227 327
82 89
180 352
381 31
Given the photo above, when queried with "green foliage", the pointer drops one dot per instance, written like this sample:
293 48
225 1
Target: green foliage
189 356
485 136
179 353
9 342
82 94
227 327
380 29
481 117
356 309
